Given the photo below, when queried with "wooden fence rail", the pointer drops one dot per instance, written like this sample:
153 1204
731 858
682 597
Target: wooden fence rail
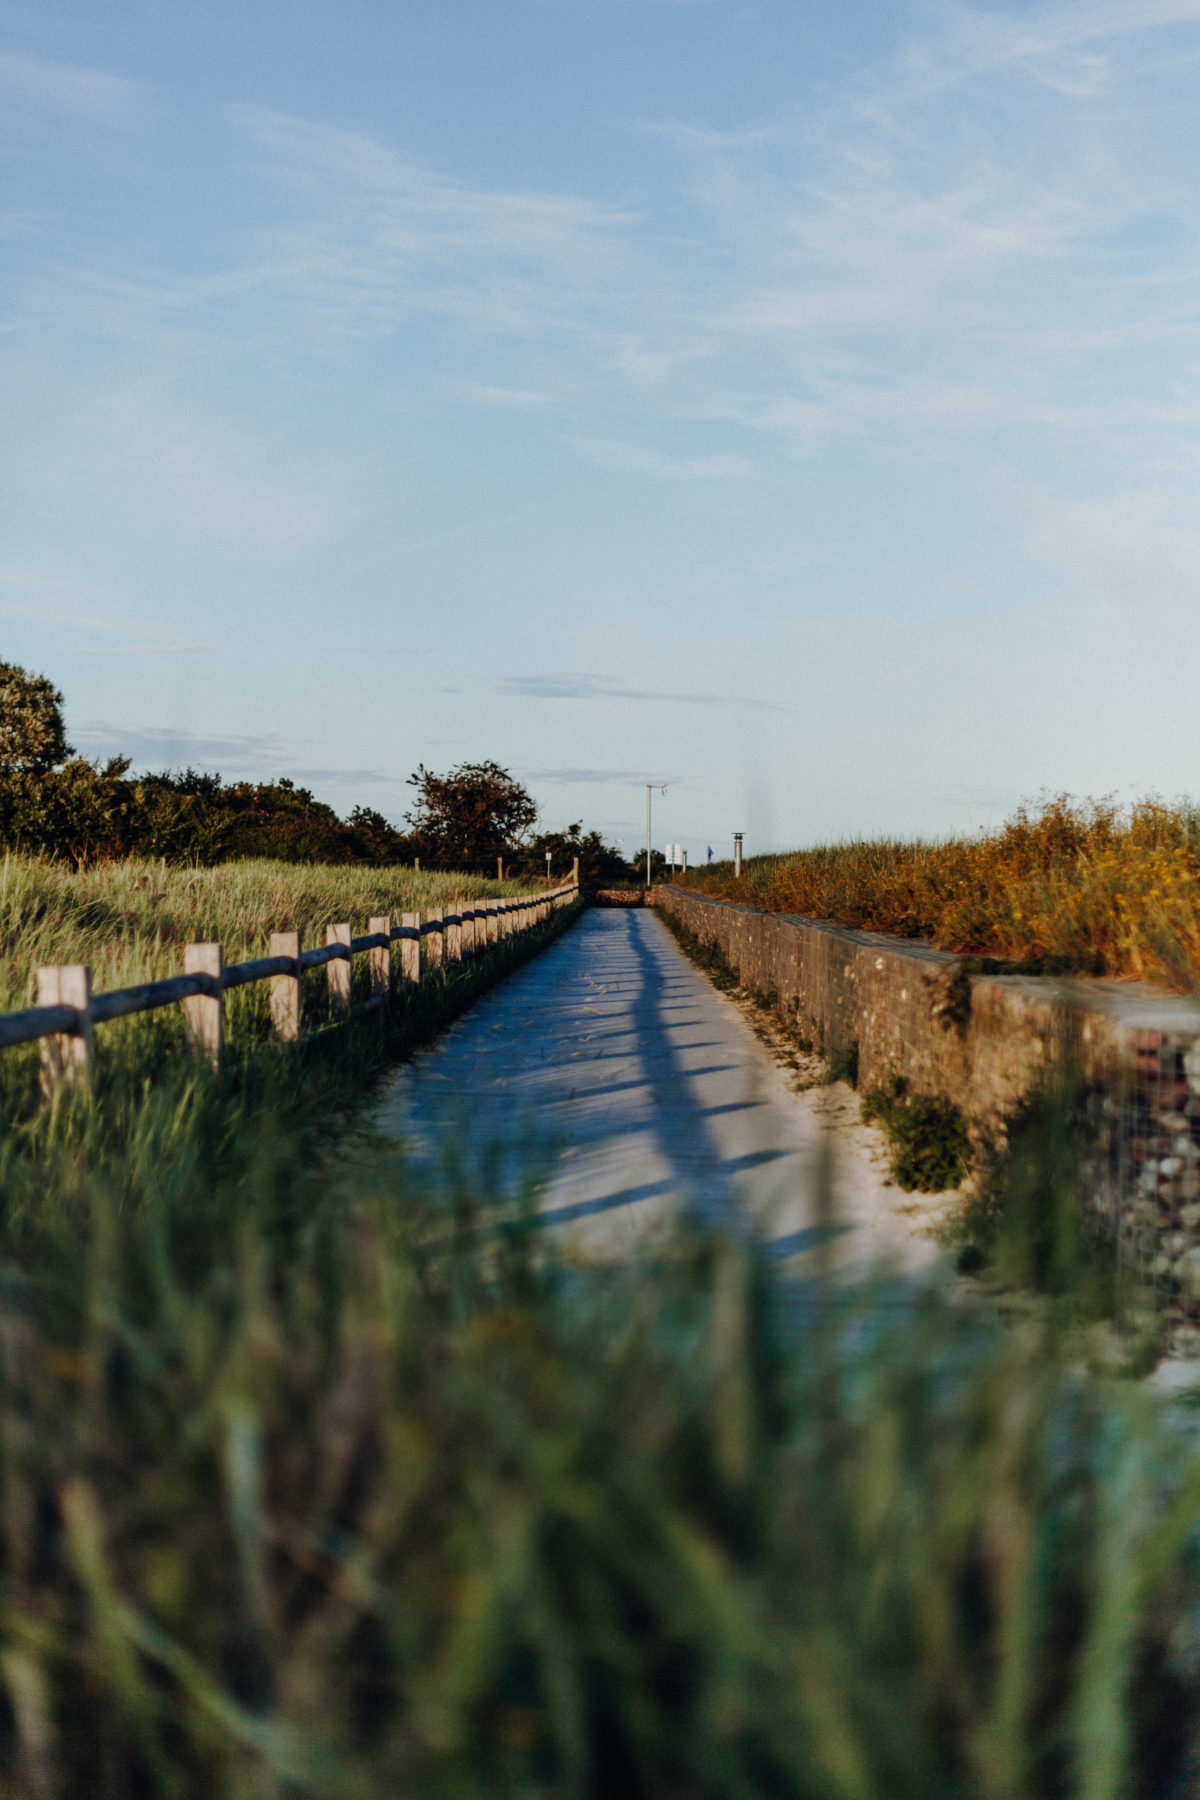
67 1010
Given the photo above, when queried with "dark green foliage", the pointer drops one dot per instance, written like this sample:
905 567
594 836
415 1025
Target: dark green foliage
600 864
1025 1221
32 737
930 1147
470 817
842 1064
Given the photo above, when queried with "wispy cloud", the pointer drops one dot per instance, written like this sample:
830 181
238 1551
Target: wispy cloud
143 650
375 235
607 454
34 84
252 754
595 777
594 687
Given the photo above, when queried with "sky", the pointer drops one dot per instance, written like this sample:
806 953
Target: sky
794 405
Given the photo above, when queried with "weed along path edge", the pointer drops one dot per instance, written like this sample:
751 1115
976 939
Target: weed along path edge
609 1084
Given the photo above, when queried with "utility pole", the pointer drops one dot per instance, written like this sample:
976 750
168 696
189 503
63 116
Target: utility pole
650 787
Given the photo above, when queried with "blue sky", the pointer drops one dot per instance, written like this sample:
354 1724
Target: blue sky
794 404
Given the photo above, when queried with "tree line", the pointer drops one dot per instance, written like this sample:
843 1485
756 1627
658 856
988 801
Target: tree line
56 803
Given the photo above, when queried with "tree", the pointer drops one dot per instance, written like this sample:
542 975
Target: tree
470 817
33 739
600 864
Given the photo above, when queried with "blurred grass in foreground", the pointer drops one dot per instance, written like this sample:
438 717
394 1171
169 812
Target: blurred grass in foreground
307 1488
1069 885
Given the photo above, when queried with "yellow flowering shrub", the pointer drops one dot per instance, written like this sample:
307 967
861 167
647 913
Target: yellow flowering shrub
1067 884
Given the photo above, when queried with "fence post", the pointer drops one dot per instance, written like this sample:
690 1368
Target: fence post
453 936
468 933
493 922
285 989
204 1014
499 868
380 958
575 873
339 973
410 950
67 1056
437 937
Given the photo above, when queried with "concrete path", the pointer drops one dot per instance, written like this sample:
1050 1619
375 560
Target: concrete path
611 1081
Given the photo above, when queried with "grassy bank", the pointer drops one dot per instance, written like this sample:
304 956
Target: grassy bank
130 920
1070 885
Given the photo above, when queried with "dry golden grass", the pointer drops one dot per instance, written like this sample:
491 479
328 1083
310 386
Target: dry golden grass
1066 885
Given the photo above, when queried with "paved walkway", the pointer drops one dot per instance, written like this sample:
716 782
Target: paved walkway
612 1082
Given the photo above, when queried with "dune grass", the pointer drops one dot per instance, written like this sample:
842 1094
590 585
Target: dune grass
130 920
1068 885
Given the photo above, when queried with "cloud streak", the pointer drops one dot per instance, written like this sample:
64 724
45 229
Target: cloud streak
38 84
595 687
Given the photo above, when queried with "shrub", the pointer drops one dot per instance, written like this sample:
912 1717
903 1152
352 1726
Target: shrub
930 1147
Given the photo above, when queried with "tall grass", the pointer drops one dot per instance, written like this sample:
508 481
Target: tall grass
129 920
310 1486
1067 885
316 1483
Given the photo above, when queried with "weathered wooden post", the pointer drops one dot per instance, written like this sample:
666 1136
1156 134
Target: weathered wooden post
493 922
339 973
379 963
453 936
285 989
435 943
67 1056
468 933
410 950
499 868
575 873
204 1014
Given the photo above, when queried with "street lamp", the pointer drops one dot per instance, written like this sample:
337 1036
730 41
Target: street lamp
548 868
650 787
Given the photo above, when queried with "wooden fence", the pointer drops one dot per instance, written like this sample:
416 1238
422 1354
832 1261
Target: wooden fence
67 1010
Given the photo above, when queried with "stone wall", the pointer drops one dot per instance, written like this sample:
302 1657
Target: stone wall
984 1042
